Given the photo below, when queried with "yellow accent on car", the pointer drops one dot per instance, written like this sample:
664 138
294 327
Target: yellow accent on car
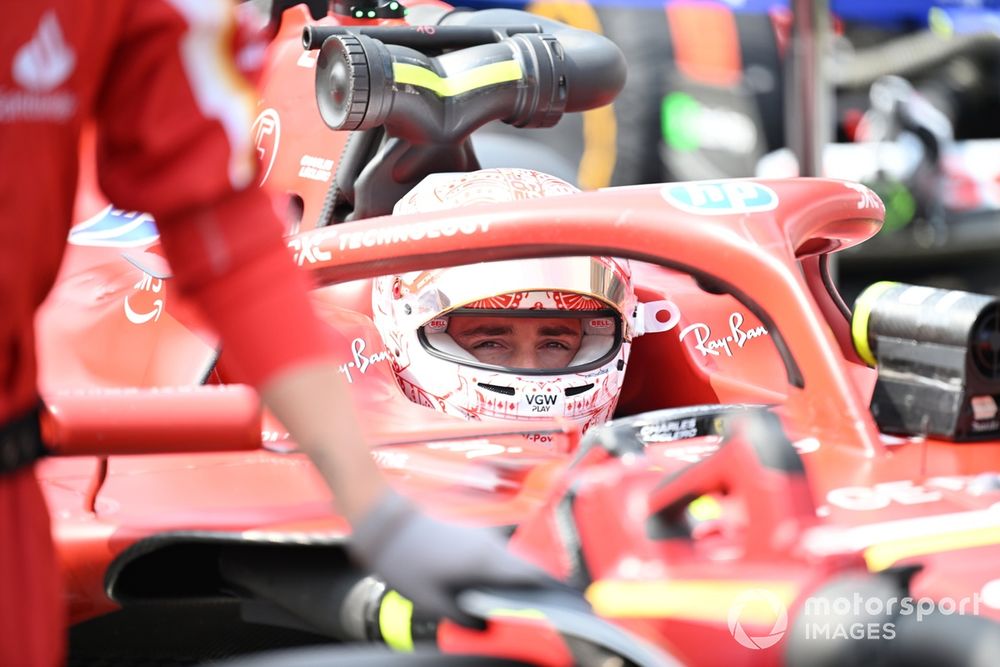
461 82
940 23
600 128
859 320
881 556
705 508
395 621
704 600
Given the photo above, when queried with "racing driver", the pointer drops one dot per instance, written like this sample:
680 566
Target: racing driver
524 339
173 118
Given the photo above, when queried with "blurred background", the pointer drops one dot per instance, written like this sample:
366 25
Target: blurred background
901 95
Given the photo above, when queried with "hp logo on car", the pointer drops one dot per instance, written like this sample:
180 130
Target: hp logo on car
721 197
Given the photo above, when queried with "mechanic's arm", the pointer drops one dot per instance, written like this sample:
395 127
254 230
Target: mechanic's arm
333 442
173 139
174 118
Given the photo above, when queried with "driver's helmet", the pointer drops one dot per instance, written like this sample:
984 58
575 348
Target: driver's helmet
523 339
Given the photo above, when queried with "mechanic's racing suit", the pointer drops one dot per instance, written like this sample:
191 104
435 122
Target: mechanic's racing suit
173 118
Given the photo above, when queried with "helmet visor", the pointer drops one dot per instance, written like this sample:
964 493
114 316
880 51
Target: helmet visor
526 342
574 283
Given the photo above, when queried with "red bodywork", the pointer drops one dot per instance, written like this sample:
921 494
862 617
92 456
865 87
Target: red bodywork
887 500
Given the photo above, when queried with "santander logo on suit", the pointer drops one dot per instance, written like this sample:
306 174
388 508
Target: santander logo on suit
43 64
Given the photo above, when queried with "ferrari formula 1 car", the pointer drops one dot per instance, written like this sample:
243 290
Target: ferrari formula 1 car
759 475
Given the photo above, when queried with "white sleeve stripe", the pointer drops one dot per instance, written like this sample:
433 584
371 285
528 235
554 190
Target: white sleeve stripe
219 91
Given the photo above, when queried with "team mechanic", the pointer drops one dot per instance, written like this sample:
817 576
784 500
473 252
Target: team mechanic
173 114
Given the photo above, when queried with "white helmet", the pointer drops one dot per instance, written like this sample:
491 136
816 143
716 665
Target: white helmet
582 311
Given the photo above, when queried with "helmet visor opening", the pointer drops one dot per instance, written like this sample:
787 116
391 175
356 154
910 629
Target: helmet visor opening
525 342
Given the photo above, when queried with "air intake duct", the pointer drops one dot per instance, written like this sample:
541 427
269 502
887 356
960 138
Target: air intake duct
937 353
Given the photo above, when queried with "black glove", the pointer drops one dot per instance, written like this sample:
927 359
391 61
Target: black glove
430 562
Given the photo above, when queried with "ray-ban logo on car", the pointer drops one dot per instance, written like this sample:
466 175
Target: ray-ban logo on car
738 336
361 361
720 197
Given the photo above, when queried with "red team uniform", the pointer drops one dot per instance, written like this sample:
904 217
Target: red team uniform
173 116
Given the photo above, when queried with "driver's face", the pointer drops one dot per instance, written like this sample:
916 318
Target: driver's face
518 342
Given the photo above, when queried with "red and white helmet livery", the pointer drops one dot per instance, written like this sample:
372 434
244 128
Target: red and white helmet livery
451 332
486 186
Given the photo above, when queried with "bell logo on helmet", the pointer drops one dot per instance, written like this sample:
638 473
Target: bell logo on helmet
437 325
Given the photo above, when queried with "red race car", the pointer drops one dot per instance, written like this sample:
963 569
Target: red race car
189 527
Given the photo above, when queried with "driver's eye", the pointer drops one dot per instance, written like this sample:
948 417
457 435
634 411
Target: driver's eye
488 345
